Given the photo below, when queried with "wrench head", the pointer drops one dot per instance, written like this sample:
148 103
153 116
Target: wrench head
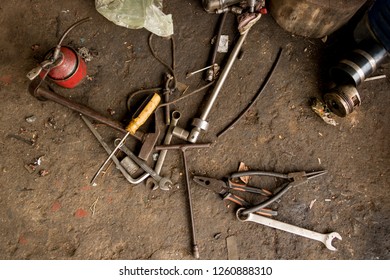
165 184
151 183
329 239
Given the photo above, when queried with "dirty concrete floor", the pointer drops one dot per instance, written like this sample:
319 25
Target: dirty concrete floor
60 216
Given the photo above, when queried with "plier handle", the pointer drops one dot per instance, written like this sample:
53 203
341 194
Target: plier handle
294 179
224 188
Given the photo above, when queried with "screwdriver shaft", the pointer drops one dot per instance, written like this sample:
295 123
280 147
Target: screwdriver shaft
109 157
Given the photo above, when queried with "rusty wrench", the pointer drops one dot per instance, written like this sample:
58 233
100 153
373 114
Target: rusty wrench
324 238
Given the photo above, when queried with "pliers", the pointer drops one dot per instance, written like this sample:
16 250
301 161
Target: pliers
224 187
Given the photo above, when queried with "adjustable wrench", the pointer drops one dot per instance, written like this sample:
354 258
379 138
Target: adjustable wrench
162 182
324 238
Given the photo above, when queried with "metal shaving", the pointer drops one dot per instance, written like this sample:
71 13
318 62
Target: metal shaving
322 110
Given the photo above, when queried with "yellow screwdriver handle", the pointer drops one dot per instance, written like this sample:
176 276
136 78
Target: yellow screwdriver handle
139 120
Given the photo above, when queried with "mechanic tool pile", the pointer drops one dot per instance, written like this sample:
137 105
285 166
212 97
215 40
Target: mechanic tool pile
63 66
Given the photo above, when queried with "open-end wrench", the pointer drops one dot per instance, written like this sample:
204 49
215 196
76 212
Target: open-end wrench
324 238
163 153
162 182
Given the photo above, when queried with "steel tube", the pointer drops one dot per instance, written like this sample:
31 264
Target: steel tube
222 78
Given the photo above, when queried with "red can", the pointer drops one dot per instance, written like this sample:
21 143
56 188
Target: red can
69 69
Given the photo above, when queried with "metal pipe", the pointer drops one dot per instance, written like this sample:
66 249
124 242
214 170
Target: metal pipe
211 72
201 123
222 78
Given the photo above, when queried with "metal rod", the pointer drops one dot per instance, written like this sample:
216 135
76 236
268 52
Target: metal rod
109 157
167 140
195 249
200 70
253 101
201 123
222 78
43 94
181 146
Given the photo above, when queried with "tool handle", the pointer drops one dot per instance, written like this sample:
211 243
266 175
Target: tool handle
139 120
240 201
236 199
245 188
259 173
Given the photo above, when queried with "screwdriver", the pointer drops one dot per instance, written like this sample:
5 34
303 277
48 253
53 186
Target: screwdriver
139 118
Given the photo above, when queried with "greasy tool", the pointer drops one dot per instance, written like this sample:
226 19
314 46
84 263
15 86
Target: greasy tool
201 124
225 187
212 72
139 119
294 179
324 238
152 136
118 165
44 94
148 139
167 140
183 148
162 182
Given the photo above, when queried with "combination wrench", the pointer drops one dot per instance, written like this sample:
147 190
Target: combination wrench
324 238
162 182
163 153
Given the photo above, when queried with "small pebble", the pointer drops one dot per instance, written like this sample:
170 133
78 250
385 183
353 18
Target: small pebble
31 119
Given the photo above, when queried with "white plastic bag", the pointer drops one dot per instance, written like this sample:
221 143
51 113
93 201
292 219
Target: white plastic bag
136 14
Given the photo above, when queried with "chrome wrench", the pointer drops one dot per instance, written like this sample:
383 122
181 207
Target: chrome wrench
162 182
324 238
163 153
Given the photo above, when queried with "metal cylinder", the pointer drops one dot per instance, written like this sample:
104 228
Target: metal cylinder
359 64
342 100
69 70
211 6
194 134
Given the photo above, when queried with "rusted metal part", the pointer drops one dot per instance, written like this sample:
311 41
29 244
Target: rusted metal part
44 94
183 148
